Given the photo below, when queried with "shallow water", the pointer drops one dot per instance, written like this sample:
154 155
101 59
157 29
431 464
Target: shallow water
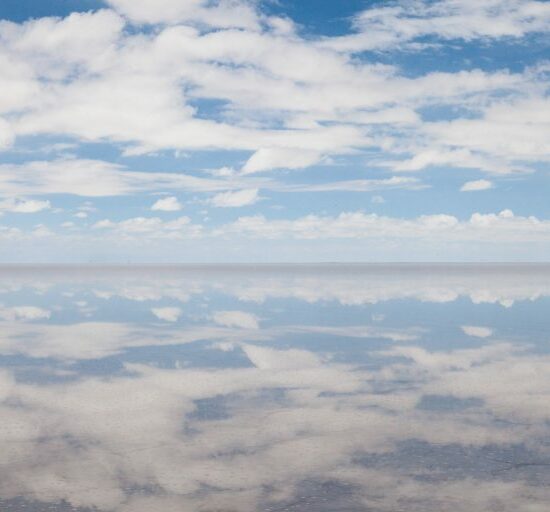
275 388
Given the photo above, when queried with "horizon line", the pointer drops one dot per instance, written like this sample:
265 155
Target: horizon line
268 264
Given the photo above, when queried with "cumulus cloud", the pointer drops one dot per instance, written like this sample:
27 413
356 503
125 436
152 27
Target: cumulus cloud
137 74
82 81
236 319
24 313
477 331
168 314
504 226
167 204
501 228
24 205
474 186
235 199
266 159
271 359
219 14
492 232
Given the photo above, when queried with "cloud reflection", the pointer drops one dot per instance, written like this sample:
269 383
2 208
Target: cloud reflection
334 412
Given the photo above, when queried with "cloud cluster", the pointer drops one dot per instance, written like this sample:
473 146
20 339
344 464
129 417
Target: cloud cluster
223 78
291 101
405 22
491 227
490 230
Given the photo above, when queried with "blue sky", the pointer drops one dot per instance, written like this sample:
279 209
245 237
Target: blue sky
235 130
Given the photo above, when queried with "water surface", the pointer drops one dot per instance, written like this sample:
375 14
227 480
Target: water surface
275 388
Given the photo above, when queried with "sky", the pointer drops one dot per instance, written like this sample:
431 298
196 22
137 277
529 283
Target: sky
168 131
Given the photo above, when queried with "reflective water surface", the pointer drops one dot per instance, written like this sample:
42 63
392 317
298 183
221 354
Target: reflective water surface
324 388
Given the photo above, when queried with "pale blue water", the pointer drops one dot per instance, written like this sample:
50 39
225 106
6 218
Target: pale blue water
291 388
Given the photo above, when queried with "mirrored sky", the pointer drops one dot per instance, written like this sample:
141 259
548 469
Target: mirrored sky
318 388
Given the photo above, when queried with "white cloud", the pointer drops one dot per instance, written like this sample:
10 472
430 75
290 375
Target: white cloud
474 186
399 23
104 224
80 38
266 159
168 314
85 77
6 134
167 204
24 313
508 137
504 226
220 14
235 199
236 319
24 205
96 178
497 235
270 359
364 185
40 230
284 100
491 230
150 227
476 331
